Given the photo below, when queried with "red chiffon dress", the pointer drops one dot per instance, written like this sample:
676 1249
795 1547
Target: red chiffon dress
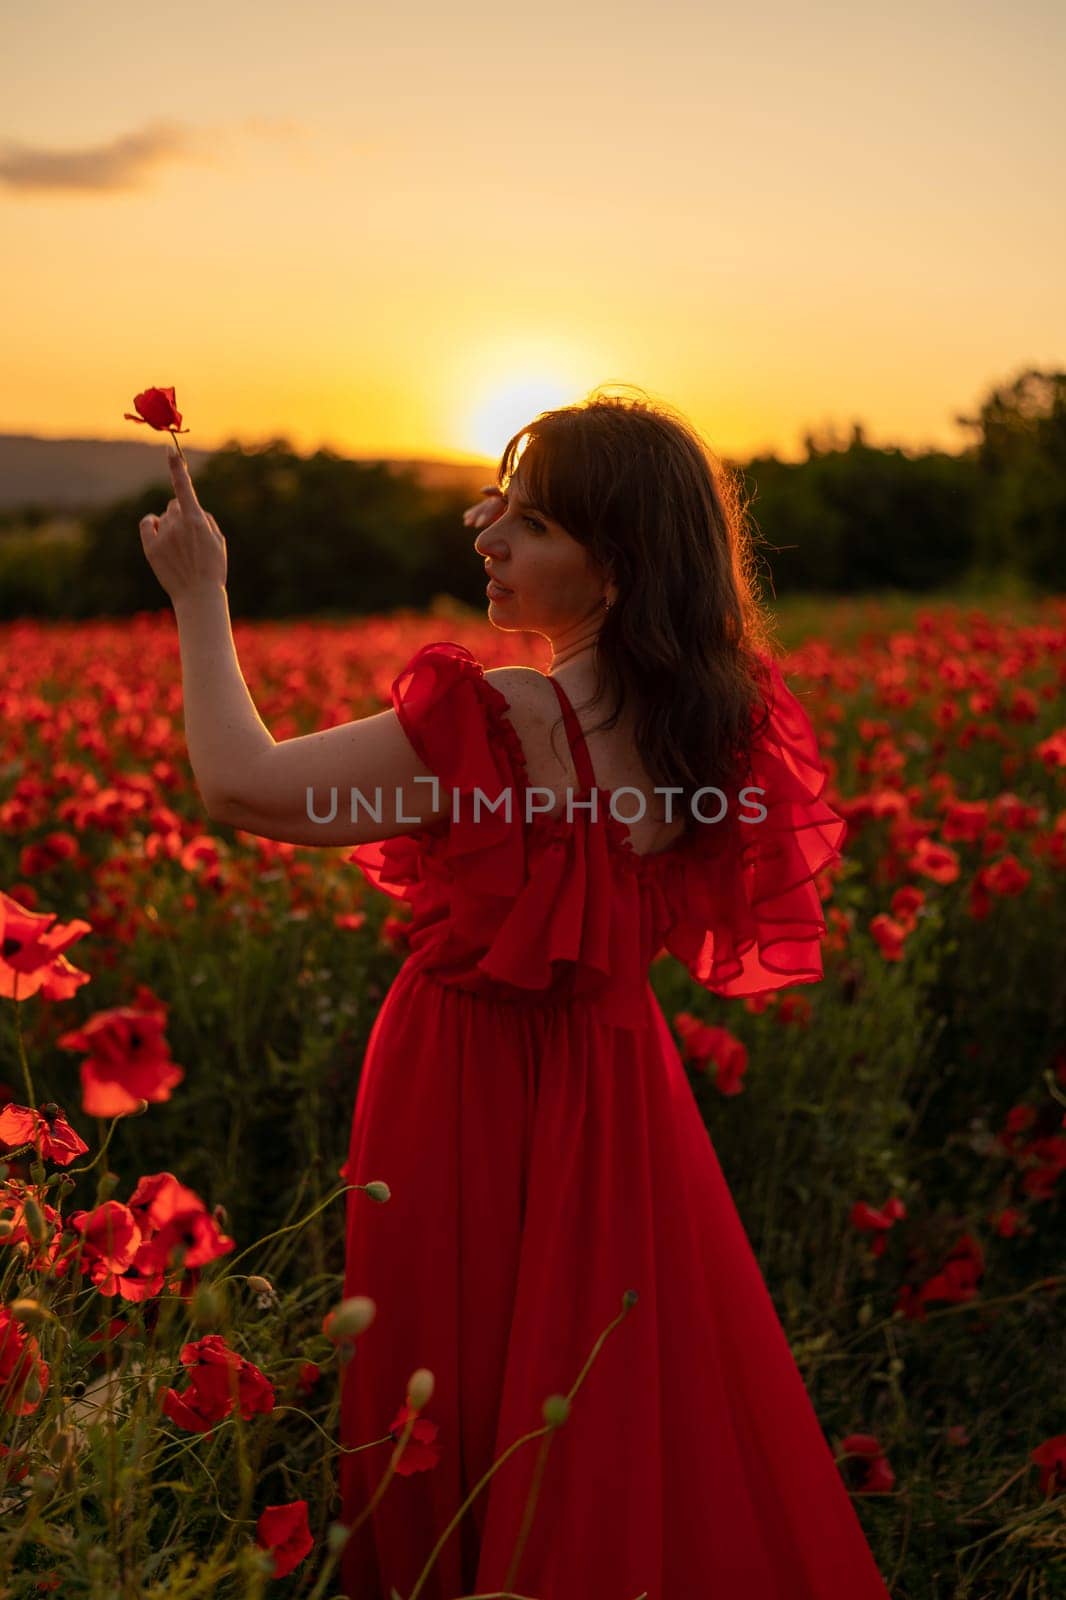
523 1098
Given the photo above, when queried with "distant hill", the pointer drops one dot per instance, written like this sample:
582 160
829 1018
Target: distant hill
80 474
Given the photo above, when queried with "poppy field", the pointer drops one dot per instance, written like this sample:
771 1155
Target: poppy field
183 1009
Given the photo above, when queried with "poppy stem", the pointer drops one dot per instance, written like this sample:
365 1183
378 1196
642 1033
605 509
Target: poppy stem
31 1100
177 441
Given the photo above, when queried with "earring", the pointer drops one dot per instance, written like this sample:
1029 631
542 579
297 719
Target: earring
607 604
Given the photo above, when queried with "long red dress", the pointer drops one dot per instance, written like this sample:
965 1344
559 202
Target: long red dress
524 1100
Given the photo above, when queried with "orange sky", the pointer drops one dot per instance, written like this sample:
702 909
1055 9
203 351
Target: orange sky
405 230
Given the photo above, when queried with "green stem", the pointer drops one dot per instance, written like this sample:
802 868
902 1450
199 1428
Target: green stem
31 1098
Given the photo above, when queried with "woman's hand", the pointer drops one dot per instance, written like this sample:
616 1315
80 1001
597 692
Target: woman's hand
486 511
184 546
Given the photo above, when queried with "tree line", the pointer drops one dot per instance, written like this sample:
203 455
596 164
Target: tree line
322 534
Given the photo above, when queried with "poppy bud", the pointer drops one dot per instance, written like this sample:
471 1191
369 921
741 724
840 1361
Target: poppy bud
350 1318
555 1410
36 1226
260 1285
629 1299
337 1536
379 1191
29 1312
420 1388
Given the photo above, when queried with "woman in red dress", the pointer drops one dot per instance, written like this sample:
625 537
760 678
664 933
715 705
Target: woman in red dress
522 1096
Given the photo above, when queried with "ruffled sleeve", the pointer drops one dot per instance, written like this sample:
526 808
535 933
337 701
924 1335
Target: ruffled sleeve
455 721
748 917
501 906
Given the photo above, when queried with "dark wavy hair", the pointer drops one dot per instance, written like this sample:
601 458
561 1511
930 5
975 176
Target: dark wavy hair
633 482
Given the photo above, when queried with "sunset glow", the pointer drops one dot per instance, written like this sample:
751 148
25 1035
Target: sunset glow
406 232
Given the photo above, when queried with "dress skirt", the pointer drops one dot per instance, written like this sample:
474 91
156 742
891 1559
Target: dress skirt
541 1163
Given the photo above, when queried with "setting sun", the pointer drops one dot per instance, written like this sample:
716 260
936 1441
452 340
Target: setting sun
500 407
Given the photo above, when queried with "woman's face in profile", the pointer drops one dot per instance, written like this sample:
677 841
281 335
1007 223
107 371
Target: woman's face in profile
548 582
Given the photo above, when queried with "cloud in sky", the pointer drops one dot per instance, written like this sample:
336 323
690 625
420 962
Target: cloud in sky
130 159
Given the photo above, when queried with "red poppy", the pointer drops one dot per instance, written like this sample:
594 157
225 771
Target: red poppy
890 936
419 1453
1040 1181
286 1533
195 1233
38 1254
31 952
877 1222
1008 1223
47 1129
158 1198
163 1216
110 1238
218 1377
23 1375
956 1282
48 852
1006 876
1052 750
718 1053
1050 1457
905 905
128 1060
876 1476
936 861
307 1378
156 407
965 819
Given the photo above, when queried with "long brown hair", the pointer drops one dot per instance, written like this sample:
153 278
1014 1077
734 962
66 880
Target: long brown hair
633 482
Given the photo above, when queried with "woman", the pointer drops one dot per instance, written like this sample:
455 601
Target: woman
521 1093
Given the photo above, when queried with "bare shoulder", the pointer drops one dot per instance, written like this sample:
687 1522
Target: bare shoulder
531 700
522 686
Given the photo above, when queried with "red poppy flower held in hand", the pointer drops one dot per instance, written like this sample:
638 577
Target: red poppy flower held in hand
157 409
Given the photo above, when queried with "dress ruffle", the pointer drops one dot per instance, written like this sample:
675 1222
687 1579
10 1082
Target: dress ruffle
482 920
750 919
567 905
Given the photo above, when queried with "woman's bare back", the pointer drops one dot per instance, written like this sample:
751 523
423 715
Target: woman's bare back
536 716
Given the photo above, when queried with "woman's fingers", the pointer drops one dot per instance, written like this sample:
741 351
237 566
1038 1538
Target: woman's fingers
482 514
487 510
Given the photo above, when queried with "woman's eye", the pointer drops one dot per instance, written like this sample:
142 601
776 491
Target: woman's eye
534 524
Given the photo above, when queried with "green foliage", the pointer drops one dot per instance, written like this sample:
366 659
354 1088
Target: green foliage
322 535
1021 459
38 578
